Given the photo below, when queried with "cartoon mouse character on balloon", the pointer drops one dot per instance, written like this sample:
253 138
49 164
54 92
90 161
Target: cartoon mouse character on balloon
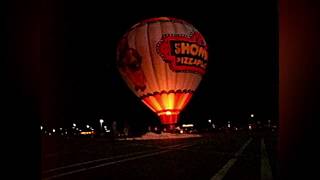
129 63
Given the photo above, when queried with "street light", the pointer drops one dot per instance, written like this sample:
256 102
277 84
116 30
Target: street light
252 115
41 127
101 121
88 126
269 123
73 126
209 121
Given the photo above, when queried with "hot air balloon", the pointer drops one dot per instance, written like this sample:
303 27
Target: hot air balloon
162 61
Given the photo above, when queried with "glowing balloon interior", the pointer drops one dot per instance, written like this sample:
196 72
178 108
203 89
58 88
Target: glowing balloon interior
162 60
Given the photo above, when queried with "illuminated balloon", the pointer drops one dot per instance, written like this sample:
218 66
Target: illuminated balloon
162 60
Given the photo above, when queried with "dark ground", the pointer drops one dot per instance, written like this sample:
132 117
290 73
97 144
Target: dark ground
196 158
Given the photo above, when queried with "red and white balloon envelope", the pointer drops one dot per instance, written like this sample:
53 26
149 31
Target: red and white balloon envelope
162 60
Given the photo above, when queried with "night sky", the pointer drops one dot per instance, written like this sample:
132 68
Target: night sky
76 79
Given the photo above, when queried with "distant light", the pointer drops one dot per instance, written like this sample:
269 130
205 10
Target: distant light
101 121
228 125
74 125
187 125
252 115
209 120
60 129
49 133
105 127
250 127
41 127
53 130
87 132
213 126
108 130
88 126
77 129
181 131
